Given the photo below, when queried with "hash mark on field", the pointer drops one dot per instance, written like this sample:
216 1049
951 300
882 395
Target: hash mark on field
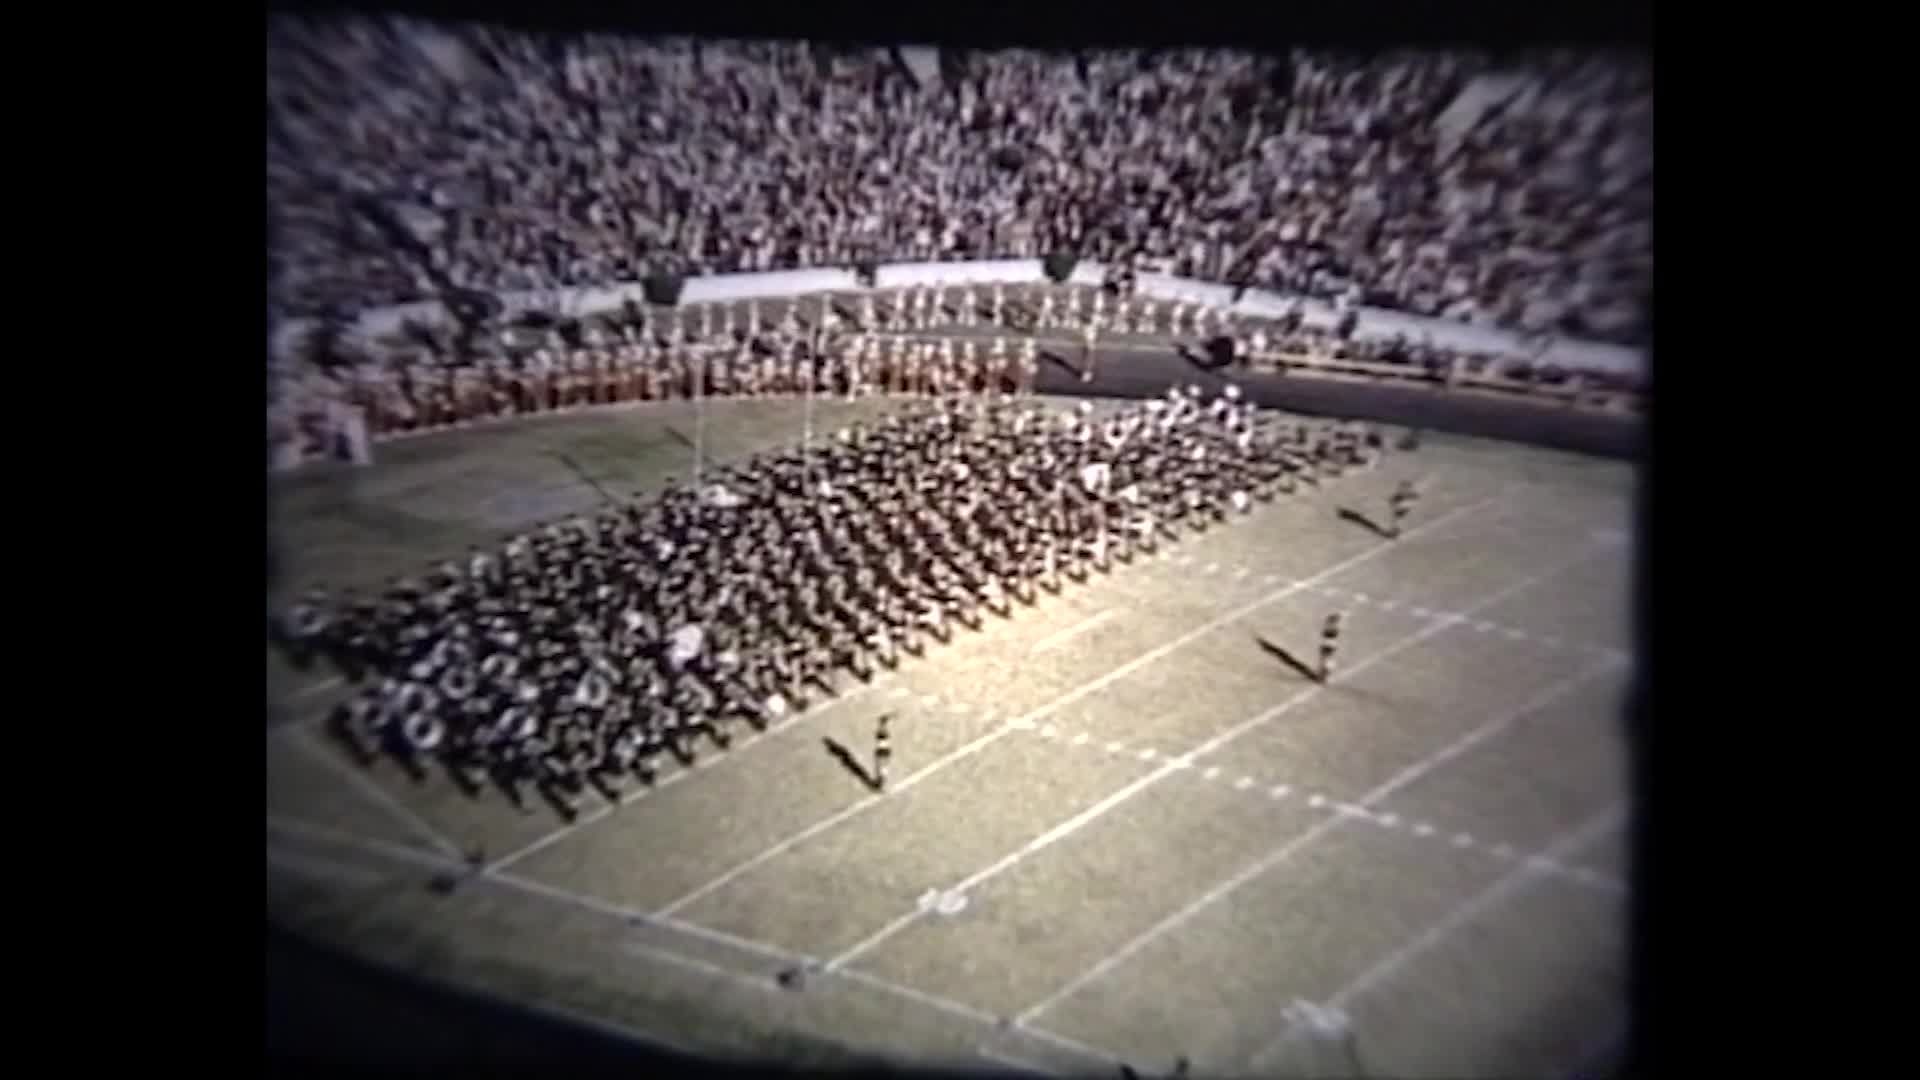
1462 840
1048 731
1317 801
1212 772
1423 829
1279 791
1147 753
1116 746
1081 739
1504 851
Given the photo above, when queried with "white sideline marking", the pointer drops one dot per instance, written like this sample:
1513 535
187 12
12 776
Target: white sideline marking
693 964
429 860
377 794
321 869
1092 1053
774 952
1061 636
607 808
1078 821
1056 704
330 835
1438 932
1403 778
1015 1063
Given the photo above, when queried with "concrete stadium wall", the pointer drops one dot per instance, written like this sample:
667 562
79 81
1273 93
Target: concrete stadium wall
720 288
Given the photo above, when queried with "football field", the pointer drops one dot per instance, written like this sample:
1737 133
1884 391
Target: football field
1123 826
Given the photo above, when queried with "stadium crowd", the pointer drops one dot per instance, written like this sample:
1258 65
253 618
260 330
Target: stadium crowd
581 652
408 159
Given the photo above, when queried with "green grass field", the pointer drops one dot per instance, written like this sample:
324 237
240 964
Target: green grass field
1119 829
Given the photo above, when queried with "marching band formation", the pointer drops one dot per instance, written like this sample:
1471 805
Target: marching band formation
921 341
866 347
580 652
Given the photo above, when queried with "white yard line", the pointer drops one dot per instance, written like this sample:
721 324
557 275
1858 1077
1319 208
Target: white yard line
763 949
1056 704
428 860
1403 778
322 869
1092 813
606 809
1507 885
1081 627
378 795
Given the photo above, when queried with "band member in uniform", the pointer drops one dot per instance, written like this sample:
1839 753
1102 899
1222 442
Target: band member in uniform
1403 501
1329 644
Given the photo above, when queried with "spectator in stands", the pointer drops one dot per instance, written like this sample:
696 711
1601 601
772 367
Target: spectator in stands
405 159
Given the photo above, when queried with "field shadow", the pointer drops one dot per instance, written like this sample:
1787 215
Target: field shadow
1365 522
1205 358
847 760
1288 659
